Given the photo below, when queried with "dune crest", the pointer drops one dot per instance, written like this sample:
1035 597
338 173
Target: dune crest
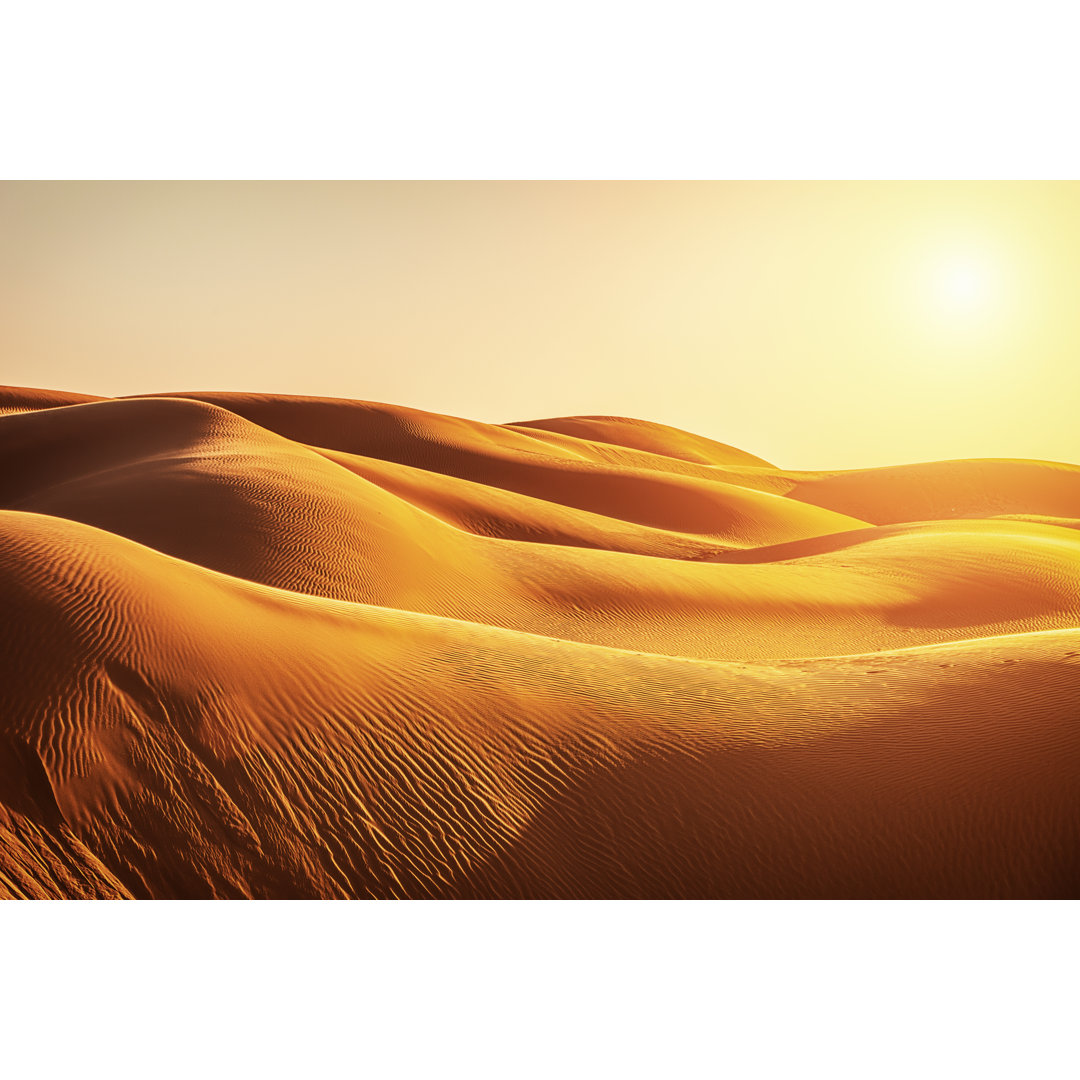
263 646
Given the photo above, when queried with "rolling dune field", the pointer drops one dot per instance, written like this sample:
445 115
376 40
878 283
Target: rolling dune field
262 646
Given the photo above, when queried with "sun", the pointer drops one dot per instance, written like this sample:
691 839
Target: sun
964 300
962 285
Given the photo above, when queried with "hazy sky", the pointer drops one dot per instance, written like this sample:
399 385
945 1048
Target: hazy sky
815 324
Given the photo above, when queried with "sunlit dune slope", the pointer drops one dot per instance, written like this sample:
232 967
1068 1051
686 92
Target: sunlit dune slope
292 647
175 732
1042 519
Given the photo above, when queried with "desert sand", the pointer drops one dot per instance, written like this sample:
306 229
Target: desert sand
272 647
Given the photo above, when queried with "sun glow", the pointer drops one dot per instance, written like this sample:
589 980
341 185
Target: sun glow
963 285
970 304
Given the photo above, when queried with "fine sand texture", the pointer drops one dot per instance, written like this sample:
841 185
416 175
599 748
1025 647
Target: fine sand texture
260 646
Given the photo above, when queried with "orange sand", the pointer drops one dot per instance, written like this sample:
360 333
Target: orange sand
286 647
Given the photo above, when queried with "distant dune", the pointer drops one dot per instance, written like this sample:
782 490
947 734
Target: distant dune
262 646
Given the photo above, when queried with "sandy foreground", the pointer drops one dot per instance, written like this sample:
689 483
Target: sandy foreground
260 646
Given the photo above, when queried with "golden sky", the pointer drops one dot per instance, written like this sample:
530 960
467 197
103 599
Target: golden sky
817 324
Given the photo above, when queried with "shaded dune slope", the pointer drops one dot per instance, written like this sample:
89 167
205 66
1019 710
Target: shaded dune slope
267 646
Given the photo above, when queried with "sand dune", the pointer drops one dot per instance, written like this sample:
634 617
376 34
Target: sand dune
625 432
24 398
274 647
946 489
